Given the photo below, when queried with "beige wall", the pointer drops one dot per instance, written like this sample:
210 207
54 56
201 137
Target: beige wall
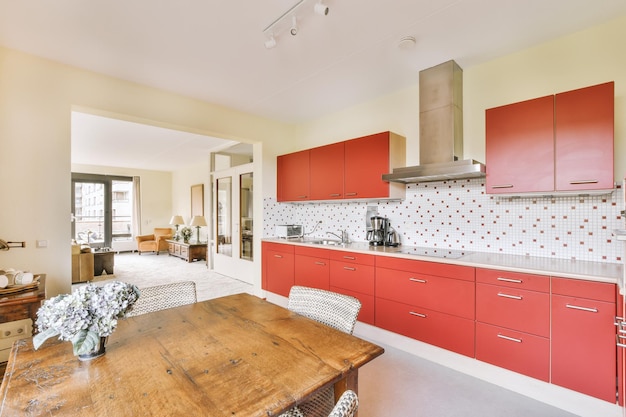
36 99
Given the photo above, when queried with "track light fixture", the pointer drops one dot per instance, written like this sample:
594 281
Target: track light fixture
281 25
321 9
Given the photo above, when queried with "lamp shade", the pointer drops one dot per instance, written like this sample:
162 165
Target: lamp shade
177 220
198 221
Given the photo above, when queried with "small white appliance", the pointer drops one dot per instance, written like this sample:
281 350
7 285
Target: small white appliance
288 231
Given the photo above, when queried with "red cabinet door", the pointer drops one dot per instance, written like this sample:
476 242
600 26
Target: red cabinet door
327 171
521 310
432 327
366 314
278 268
312 272
292 176
367 159
584 138
583 346
351 276
517 351
519 152
446 295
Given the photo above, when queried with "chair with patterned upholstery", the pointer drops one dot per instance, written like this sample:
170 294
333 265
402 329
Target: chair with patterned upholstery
346 407
161 297
332 309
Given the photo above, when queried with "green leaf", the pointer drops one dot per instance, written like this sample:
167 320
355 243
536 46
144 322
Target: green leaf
41 337
85 341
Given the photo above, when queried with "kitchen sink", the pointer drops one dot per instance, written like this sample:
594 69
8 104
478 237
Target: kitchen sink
326 242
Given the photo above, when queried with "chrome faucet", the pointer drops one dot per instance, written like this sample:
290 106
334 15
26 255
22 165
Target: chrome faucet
343 237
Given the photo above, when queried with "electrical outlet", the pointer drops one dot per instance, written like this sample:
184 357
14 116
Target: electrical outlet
16 329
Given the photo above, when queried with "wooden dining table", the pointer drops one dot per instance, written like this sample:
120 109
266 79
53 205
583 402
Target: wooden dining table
235 356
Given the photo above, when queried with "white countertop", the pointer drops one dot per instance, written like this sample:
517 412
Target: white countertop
593 271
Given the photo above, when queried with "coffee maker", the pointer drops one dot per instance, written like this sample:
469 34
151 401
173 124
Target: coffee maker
377 234
381 232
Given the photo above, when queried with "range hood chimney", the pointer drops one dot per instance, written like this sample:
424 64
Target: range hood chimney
441 130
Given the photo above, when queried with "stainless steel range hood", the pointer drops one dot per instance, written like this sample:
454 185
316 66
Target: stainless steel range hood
441 130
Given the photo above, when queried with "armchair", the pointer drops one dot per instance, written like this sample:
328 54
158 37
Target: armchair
155 242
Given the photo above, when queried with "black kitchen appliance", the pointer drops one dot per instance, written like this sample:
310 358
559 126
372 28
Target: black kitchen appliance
381 232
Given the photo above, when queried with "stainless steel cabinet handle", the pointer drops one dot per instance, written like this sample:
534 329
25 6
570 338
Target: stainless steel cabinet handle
349 268
320 263
502 186
413 313
278 256
335 195
512 339
352 258
618 341
515 281
591 310
421 281
514 297
583 182
302 196
351 194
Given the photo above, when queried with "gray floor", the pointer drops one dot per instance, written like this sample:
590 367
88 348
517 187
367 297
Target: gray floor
395 384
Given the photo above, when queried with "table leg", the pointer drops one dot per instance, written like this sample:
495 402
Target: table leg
351 381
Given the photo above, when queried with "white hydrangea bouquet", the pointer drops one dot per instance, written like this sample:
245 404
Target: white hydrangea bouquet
185 232
83 317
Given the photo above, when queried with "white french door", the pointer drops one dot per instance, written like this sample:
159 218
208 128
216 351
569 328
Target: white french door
232 223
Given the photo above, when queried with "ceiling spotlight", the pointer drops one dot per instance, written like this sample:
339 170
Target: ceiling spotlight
294 26
270 43
321 9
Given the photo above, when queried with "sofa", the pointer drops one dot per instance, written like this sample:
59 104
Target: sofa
155 242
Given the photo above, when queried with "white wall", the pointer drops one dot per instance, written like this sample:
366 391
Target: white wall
181 197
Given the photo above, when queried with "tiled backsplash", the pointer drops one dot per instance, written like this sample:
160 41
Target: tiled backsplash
459 215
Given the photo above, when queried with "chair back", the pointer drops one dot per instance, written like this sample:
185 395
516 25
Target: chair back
332 309
161 297
346 406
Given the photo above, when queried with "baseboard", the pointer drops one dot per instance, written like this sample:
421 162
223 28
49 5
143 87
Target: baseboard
565 399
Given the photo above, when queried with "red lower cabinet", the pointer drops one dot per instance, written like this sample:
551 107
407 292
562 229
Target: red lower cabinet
583 337
353 274
311 267
520 352
432 327
278 268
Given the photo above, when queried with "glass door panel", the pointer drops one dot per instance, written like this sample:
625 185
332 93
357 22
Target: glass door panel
224 217
246 211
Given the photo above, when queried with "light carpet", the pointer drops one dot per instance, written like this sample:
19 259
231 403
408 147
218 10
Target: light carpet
150 269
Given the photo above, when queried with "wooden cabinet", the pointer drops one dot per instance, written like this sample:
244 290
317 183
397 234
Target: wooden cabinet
353 274
312 267
583 337
584 138
292 173
427 301
278 268
350 169
519 152
186 251
513 321
553 143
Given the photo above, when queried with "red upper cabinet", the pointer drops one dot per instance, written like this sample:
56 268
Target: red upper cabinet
520 147
351 169
327 172
559 143
584 138
292 173
367 159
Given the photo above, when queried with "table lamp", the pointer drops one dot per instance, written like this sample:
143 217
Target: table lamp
177 220
198 221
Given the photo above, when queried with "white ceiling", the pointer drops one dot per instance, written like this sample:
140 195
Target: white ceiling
213 50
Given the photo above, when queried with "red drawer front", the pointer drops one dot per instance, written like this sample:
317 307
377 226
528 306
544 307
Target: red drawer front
339 255
439 329
519 352
427 268
312 272
278 247
278 272
354 277
446 295
309 251
513 279
366 314
601 291
525 311
583 346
